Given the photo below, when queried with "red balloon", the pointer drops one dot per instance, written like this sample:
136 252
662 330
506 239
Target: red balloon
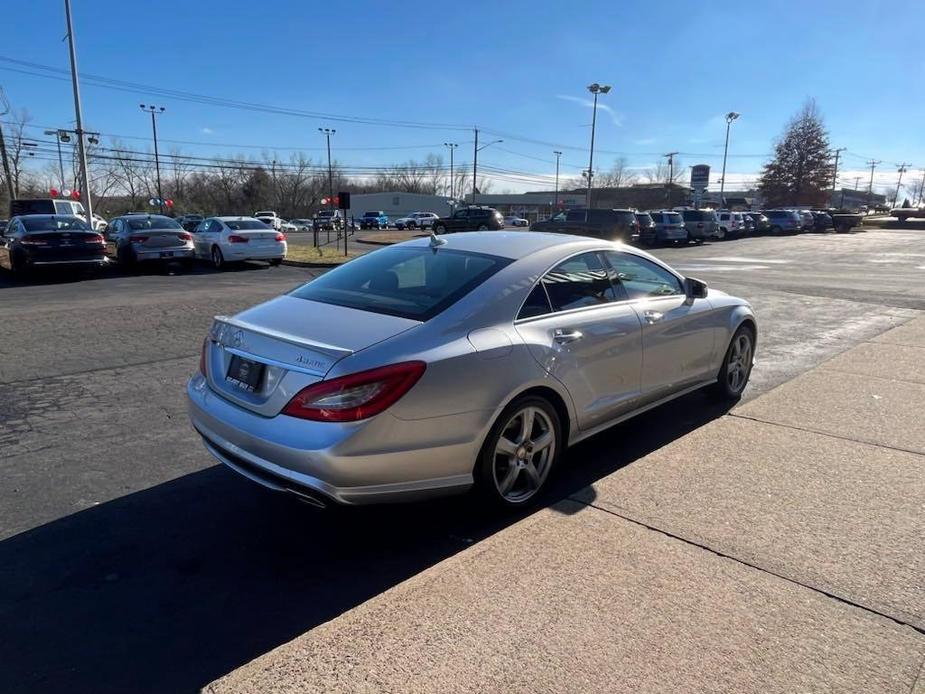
54 192
168 202
76 195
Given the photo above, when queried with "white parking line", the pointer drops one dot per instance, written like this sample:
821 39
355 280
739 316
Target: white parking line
720 268
741 259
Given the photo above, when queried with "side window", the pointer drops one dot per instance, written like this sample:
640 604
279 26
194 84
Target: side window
460 215
575 216
642 278
537 304
579 281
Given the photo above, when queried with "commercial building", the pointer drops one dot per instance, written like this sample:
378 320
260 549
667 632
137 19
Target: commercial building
397 205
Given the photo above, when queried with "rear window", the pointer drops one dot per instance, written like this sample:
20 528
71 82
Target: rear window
673 218
697 216
54 224
643 218
415 283
152 222
246 225
370 214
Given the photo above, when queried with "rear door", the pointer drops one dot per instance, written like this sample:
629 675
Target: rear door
582 331
576 222
677 332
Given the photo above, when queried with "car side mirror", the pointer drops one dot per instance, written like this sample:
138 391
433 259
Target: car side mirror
695 289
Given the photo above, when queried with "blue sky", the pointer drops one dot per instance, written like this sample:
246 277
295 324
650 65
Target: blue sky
513 67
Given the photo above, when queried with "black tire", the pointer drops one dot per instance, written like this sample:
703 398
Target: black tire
126 258
440 229
218 258
488 468
483 227
721 234
276 262
19 267
412 226
726 387
775 230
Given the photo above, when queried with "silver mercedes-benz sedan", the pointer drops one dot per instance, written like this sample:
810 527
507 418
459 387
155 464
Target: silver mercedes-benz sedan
440 364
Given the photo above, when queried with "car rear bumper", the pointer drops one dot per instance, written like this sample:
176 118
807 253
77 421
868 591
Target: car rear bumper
349 463
166 254
246 251
75 262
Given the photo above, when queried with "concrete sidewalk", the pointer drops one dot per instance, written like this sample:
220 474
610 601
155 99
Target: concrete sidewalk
780 548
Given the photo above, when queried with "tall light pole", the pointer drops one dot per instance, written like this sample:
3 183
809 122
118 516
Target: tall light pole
731 116
78 115
835 174
558 154
156 111
327 133
452 147
475 161
901 170
595 89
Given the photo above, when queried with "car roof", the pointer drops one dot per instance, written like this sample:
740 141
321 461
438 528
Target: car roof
507 244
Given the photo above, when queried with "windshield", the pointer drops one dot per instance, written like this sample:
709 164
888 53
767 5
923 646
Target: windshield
246 224
414 283
152 222
54 224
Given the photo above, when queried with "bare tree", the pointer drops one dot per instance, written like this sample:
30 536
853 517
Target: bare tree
18 148
618 176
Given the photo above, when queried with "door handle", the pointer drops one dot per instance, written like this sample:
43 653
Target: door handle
653 316
563 338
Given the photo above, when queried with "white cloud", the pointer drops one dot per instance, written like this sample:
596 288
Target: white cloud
206 131
615 117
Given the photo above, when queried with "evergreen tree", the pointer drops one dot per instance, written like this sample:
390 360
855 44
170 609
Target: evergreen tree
800 174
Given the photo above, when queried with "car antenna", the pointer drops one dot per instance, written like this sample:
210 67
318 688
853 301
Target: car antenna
436 241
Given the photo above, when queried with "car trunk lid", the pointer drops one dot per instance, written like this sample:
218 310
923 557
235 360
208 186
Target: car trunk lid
166 238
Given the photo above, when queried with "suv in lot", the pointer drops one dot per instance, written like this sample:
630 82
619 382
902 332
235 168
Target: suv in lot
474 218
270 218
613 225
374 220
780 221
417 220
669 227
730 224
700 224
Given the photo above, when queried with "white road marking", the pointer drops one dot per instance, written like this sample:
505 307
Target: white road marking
741 259
720 268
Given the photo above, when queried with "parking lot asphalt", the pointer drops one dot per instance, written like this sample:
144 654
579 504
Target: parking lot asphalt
129 560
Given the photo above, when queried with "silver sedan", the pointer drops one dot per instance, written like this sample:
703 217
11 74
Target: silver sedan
440 364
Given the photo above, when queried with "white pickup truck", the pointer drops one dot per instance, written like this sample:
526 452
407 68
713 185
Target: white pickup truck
270 218
904 213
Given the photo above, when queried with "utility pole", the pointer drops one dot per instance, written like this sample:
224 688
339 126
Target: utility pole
872 163
452 147
156 111
58 134
6 162
835 173
902 170
558 154
475 160
78 115
671 156
918 199
594 89
327 133
731 116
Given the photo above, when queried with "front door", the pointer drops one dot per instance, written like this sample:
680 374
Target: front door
582 333
678 333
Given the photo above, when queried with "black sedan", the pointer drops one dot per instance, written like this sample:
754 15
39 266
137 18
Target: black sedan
50 241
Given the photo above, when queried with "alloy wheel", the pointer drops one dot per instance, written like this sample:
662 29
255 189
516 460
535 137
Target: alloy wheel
217 258
524 454
739 363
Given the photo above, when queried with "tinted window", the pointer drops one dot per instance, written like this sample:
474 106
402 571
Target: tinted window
697 216
152 222
673 218
244 225
414 283
537 304
54 224
575 216
642 278
644 219
579 281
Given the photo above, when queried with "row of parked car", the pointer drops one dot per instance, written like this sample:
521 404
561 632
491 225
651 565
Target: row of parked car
35 241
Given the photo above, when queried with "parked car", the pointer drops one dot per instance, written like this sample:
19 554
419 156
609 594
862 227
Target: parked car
416 220
783 221
473 218
645 225
222 240
287 227
512 220
301 224
270 218
188 221
438 365
47 241
374 220
612 225
3 223
56 206
147 238
329 220
700 224
729 224
807 222
99 223
822 221
669 228
759 222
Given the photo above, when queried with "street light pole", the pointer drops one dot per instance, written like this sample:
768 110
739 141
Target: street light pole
902 170
835 174
475 161
731 116
670 156
558 154
595 89
452 147
154 111
327 133
78 115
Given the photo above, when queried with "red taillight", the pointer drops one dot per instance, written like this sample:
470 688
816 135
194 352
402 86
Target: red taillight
185 236
280 237
96 238
31 241
202 357
357 396
234 238
137 239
